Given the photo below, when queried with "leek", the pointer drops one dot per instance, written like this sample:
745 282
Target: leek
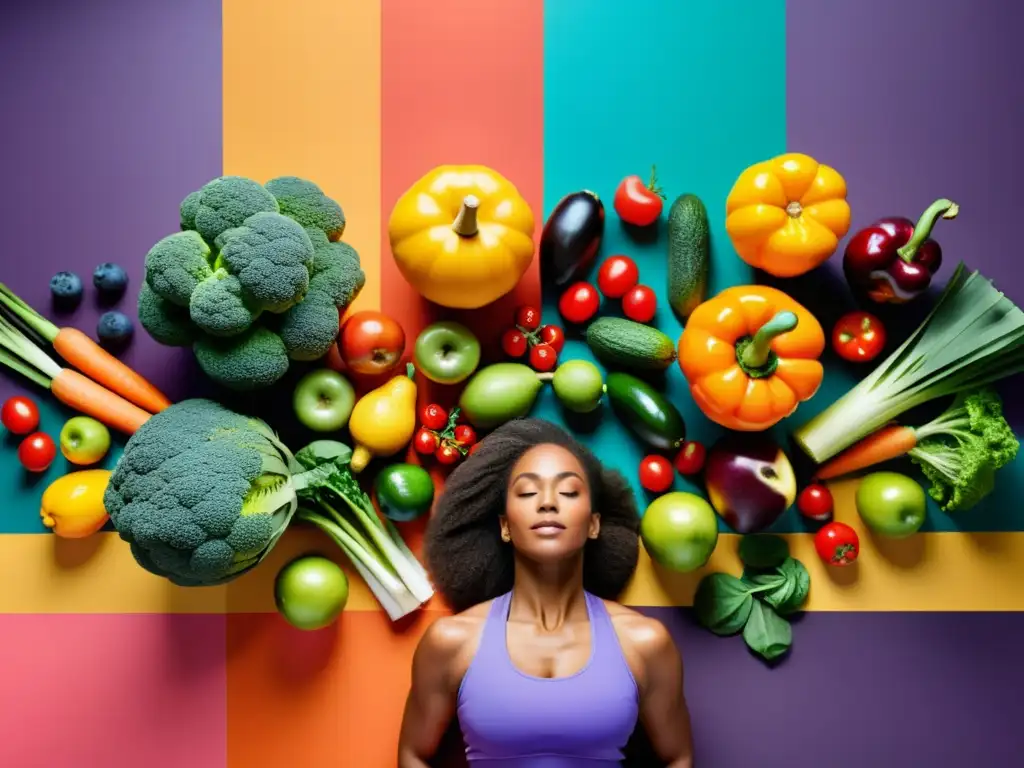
973 337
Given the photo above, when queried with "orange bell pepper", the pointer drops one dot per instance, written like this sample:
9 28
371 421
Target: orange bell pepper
787 215
750 355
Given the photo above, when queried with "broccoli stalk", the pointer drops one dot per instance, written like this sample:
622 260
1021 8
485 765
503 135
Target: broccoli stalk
960 450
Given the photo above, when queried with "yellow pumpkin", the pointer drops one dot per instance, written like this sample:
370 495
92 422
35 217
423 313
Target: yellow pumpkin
462 236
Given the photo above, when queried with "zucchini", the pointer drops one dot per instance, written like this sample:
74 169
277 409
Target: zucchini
646 412
621 343
689 254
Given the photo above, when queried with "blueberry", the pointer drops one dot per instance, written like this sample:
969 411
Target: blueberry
114 328
110 279
66 288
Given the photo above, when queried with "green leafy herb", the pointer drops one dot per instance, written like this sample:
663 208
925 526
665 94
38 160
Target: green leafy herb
766 633
763 551
722 603
800 580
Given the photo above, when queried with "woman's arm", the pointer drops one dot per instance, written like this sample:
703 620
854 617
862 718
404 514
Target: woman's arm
431 702
663 711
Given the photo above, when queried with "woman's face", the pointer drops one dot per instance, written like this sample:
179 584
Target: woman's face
547 509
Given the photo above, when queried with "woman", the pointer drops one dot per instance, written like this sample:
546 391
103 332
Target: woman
530 541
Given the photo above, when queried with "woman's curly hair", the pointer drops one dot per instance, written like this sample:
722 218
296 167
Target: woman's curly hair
467 559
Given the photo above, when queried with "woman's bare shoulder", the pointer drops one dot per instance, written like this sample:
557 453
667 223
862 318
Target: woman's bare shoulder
645 635
451 636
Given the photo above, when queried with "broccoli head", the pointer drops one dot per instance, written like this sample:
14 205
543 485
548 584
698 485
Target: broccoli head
271 255
252 360
201 493
224 203
167 323
176 265
220 307
305 202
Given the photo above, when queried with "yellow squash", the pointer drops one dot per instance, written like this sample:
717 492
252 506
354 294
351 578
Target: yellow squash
462 236
383 421
72 505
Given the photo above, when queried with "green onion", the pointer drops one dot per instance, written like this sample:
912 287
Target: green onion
974 336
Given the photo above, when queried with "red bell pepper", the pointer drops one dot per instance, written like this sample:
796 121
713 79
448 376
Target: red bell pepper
893 260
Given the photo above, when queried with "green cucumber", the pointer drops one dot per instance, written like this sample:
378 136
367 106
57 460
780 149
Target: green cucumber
621 343
689 254
645 411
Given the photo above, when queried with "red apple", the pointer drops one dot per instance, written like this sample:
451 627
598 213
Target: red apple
750 481
371 343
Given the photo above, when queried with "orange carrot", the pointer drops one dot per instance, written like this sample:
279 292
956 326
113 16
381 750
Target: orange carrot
93 360
889 442
86 396
87 356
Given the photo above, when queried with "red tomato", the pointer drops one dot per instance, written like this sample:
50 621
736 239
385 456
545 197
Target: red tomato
465 436
656 474
37 452
543 358
447 453
553 336
371 343
19 415
528 318
690 459
617 275
837 544
858 337
433 416
639 203
513 342
472 449
579 303
815 502
425 441
639 304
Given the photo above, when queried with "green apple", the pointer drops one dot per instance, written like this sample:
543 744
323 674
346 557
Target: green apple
578 385
84 440
310 592
323 400
891 504
446 352
679 531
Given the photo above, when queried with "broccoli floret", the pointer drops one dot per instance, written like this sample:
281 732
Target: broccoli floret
226 202
308 329
252 360
336 272
220 307
305 202
200 493
271 255
176 265
167 323
187 210
961 450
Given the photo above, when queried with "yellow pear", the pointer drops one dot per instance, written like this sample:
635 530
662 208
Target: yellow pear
384 419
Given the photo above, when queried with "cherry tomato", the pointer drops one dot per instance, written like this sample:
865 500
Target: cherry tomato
858 337
639 203
617 275
447 453
543 358
465 436
472 449
837 544
19 415
815 502
37 452
579 303
528 318
656 473
425 441
690 459
433 416
639 304
553 336
513 342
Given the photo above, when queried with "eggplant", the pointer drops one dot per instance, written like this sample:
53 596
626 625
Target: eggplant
750 481
571 237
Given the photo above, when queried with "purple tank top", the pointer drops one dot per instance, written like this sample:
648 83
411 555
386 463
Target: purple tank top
510 718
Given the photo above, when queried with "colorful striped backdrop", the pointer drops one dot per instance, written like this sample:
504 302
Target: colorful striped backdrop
113 110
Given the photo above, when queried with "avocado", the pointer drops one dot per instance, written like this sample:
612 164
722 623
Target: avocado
621 343
689 254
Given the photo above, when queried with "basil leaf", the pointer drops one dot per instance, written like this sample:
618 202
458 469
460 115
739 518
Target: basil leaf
766 633
722 603
780 594
800 579
763 550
